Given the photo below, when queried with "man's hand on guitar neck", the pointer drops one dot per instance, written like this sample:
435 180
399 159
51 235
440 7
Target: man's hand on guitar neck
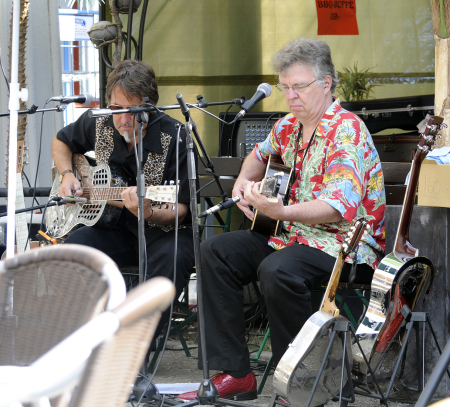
159 216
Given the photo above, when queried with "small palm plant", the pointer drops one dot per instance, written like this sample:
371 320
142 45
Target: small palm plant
354 85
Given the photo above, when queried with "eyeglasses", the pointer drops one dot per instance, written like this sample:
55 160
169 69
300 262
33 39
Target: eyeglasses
118 107
297 88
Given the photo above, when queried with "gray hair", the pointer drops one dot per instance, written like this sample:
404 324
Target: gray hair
313 53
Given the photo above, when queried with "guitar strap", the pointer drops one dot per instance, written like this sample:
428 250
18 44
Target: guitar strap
351 280
297 172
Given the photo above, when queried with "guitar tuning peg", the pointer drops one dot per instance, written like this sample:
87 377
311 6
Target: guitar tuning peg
367 226
172 183
366 233
25 163
345 246
165 182
159 206
173 207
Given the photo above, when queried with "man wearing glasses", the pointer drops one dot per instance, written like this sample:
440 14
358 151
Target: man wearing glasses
112 139
336 176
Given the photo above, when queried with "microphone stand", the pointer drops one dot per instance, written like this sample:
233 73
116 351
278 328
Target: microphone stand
141 118
207 393
34 109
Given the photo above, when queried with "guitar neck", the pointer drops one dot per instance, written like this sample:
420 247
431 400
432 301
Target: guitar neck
402 244
104 193
429 129
328 302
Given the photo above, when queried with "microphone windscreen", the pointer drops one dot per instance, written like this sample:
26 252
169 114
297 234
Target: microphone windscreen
266 88
89 99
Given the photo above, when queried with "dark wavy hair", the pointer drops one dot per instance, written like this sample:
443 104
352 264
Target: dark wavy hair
136 78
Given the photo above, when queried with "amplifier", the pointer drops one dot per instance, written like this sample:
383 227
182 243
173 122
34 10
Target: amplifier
403 113
238 139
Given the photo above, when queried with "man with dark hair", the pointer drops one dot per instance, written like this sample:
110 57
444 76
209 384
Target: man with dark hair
336 176
111 138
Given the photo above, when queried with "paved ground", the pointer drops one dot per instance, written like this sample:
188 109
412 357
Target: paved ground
175 367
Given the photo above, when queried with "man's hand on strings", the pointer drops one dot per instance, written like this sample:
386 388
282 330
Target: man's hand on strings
70 186
274 210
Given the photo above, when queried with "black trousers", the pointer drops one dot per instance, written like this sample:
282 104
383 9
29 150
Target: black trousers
122 246
287 278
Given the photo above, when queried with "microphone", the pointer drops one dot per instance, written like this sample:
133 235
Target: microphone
99 112
69 199
85 99
264 90
223 205
184 108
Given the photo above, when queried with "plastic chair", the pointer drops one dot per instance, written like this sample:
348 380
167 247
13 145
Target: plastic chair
48 293
102 357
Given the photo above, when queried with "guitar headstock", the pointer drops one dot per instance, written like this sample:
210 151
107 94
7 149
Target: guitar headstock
358 227
20 157
429 128
162 193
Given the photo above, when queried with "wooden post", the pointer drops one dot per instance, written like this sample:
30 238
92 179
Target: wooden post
442 86
441 27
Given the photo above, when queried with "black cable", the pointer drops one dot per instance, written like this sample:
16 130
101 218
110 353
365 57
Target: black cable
4 74
37 172
43 214
221 127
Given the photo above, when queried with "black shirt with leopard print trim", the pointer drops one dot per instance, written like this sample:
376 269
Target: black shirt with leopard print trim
99 134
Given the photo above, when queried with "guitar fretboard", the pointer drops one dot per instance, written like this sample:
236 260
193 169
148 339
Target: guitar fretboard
103 193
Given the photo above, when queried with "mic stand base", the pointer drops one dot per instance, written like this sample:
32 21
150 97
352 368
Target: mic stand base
144 390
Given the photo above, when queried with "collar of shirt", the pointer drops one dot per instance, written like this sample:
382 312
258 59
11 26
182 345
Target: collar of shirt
152 139
322 128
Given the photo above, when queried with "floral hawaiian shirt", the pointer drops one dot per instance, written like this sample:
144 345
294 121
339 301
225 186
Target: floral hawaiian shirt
342 168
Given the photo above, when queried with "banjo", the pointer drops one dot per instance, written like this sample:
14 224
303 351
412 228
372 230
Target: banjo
297 370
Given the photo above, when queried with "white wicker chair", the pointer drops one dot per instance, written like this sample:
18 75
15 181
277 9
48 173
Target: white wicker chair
102 357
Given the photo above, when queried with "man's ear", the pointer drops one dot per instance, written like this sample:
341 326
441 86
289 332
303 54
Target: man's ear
328 81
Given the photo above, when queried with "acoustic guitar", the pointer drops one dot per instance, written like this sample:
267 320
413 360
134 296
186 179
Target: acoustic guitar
95 182
276 181
402 277
297 370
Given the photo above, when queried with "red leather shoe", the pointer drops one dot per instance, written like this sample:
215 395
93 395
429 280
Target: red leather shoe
229 388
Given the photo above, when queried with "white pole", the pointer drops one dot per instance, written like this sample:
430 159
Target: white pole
14 106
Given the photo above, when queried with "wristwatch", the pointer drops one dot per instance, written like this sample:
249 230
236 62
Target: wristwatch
64 173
